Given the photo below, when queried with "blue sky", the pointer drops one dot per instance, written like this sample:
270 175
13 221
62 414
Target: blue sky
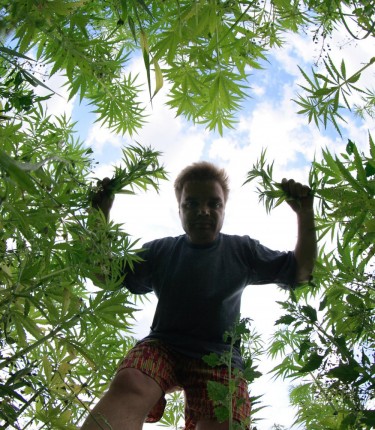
268 119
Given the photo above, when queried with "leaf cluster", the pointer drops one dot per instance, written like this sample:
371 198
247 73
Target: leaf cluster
325 337
346 187
270 192
140 169
16 85
224 395
204 49
328 94
174 412
54 321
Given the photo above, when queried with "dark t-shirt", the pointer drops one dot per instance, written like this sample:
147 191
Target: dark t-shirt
199 288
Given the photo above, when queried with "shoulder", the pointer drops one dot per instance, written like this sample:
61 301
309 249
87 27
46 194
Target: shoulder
244 246
235 240
164 243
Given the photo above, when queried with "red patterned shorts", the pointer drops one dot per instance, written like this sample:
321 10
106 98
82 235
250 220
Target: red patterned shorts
174 371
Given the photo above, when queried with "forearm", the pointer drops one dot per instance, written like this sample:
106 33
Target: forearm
306 246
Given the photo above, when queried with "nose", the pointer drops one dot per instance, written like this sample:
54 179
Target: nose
203 210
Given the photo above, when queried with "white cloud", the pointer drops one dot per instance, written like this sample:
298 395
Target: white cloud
101 137
296 50
257 90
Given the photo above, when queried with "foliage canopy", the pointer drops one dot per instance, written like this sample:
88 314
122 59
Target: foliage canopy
205 49
54 322
326 335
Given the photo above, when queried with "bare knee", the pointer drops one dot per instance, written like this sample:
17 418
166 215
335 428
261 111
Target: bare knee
132 382
130 397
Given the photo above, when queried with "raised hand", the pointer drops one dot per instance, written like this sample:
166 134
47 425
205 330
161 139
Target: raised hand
300 196
102 196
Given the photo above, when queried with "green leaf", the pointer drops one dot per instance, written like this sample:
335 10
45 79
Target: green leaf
313 363
221 413
131 25
212 359
146 58
344 372
370 168
8 391
304 346
145 7
158 77
343 69
22 178
31 326
350 147
250 374
84 351
310 312
353 79
348 176
217 392
22 338
14 53
323 92
355 301
323 303
368 417
285 319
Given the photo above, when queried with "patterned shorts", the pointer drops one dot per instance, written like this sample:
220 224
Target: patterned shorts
174 371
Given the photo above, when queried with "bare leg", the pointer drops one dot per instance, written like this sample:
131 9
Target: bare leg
126 404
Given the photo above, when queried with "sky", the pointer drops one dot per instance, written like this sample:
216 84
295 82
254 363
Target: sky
268 120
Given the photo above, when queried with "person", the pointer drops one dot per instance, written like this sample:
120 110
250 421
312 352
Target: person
198 278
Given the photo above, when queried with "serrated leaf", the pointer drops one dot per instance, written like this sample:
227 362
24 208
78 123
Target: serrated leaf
344 372
22 178
212 359
217 392
285 319
350 147
353 79
323 91
221 413
310 312
313 363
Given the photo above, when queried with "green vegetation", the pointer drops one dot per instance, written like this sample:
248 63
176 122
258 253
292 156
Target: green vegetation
54 324
224 396
326 336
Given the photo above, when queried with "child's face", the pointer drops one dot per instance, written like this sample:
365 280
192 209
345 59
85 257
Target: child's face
202 210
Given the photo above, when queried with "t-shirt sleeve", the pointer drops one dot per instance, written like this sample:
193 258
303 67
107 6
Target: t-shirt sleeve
139 280
270 266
